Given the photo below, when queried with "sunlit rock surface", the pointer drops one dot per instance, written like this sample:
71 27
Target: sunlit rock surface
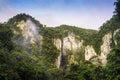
29 31
105 48
89 52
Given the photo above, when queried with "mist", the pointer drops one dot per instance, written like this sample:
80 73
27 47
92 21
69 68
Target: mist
29 34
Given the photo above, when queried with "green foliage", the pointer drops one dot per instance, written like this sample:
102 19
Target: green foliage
117 8
79 72
38 62
89 36
6 35
79 55
113 65
7 65
55 74
19 17
49 50
15 61
108 27
117 38
84 34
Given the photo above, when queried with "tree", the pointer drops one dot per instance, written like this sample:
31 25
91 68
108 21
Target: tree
113 65
117 8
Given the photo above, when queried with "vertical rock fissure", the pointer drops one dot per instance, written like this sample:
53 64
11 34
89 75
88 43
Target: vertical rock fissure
63 57
61 54
112 44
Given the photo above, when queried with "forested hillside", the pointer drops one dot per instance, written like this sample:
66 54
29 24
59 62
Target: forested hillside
31 51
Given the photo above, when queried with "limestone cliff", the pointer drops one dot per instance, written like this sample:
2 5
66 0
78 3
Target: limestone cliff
73 44
89 52
105 48
69 43
29 33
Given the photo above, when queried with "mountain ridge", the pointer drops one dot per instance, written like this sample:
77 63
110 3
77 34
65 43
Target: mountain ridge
90 37
40 48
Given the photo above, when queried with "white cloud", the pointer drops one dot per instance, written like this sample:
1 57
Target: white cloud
91 19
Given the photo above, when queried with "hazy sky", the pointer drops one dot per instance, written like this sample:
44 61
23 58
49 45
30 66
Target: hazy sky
82 13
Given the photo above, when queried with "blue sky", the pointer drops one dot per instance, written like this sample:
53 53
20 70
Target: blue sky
82 13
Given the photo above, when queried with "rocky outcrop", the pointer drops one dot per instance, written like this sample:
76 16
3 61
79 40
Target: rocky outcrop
73 44
58 42
105 48
29 31
89 52
69 43
114 34
28 34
